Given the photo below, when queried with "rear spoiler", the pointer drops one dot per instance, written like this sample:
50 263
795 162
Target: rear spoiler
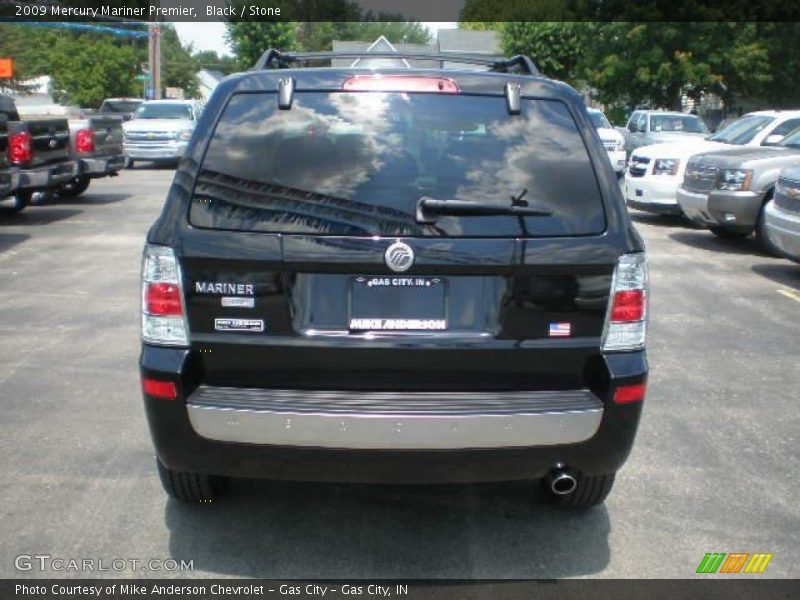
275 59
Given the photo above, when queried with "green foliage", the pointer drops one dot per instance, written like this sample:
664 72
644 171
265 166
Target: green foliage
480 25
556 48
88 67
208 59
178 66
250 39
629 64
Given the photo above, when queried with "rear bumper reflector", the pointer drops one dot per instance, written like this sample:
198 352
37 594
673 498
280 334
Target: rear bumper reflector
166 390
626 394
394 420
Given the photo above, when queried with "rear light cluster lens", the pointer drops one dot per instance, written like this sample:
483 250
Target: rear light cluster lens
19 147
626 325
163 314
84 141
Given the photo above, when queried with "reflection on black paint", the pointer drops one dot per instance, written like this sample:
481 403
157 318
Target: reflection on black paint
357 163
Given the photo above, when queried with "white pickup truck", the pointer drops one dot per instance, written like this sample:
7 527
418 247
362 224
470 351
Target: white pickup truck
160 130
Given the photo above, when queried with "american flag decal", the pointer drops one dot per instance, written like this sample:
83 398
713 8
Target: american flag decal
560 329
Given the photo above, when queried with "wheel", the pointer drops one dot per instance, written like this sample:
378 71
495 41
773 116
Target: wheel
727 234
761 232
74 188
17 202
589 491
128 163
190 487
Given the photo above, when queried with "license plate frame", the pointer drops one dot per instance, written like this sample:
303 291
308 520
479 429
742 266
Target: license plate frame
397 304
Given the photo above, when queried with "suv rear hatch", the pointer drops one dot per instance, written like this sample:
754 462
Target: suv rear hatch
294 212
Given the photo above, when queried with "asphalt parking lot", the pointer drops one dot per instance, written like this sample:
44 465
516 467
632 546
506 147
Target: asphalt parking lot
715 467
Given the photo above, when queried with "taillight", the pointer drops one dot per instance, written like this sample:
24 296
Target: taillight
626 323
84 141
163 314
19 147
400 83
166 390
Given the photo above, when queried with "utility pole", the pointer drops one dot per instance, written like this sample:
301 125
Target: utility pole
154 59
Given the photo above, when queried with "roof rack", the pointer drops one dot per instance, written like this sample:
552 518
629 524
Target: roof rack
275 59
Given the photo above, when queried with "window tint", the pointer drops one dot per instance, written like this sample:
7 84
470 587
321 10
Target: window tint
358 163
119 106
599 120
164 111
677 123
743 130
792 140
784 129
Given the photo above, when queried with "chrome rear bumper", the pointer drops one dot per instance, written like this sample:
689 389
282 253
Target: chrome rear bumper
394 420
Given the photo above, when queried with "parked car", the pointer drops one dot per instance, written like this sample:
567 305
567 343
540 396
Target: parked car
9 177
613 141
654 172
782 214
365 274
726 191
96 145
646 127
39 149
121 107
160 130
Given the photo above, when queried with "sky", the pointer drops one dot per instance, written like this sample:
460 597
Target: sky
210 36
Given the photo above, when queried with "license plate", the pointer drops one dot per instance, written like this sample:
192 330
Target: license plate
398 304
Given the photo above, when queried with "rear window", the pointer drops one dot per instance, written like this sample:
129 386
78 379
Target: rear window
163 111
119 106
357 163
678 123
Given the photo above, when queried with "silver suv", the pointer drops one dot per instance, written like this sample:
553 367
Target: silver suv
726 190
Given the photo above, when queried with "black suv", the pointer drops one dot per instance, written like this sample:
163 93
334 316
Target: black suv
394 274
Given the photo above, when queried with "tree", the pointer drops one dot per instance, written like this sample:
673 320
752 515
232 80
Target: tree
178 66
250 39
556 48
208 59
660 62
86 71
85 67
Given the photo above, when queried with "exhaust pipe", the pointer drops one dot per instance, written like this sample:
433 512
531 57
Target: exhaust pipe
561 481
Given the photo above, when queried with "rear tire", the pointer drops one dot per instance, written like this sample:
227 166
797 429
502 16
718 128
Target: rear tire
74 188
191 487
17 204
589 491
727 234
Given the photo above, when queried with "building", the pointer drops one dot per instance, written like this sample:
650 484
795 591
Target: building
456 41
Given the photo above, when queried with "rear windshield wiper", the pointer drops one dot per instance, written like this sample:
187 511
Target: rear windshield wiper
428 209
